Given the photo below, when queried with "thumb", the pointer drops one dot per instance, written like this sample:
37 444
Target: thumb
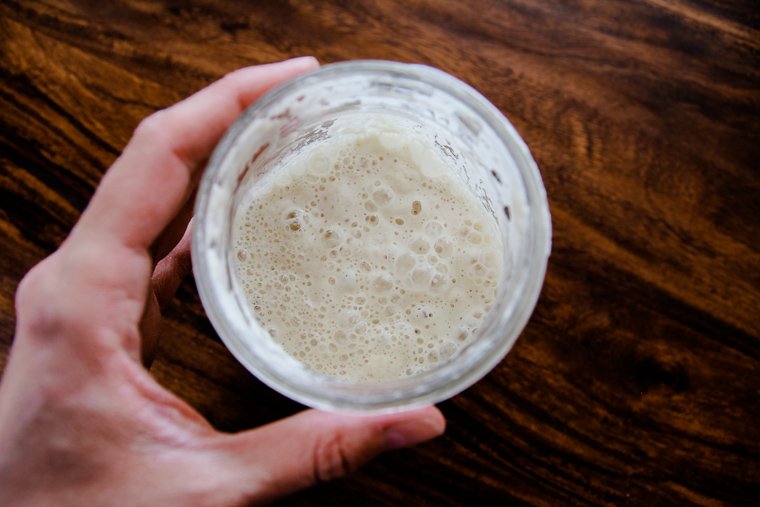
316 446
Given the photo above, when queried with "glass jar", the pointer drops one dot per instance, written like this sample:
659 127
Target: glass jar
475 141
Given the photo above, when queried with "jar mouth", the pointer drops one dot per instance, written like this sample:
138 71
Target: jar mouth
217 285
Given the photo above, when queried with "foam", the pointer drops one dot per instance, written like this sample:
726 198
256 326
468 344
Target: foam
365 258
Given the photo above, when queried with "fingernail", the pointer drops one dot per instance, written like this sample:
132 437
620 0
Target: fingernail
411 432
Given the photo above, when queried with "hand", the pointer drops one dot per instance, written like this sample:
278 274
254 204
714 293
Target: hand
81 420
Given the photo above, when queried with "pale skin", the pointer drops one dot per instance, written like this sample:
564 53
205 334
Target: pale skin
82 421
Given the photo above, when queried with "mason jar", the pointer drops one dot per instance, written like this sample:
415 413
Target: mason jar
476 142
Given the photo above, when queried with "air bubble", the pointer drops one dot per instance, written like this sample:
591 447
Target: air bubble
433 229
390 310
438 282
420 246
382 283
332 237
295 219
349 319
443 247
446 350
421 277
488 259
381 196
405 263
479 271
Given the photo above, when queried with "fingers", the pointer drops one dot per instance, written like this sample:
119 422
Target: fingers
167 277
172 233
150 330
151 180
316 446
172 269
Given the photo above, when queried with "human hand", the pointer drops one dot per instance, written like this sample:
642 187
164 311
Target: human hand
81 420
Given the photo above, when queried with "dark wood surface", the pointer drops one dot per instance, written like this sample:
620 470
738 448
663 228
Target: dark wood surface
637 381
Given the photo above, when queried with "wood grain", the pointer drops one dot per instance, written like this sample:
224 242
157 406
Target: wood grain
638 378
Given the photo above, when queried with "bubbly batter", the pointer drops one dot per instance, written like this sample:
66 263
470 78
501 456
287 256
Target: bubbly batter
365 257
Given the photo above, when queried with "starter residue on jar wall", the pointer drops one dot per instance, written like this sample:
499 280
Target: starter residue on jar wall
365 257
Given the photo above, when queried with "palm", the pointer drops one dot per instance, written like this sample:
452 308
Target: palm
81 420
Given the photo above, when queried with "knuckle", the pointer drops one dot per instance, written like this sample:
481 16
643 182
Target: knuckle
331 459
152 126
230 78
34 285
38 302
160 132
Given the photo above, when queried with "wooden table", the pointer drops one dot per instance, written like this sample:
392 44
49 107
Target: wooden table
638 378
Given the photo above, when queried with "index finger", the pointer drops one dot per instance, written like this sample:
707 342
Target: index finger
149 182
